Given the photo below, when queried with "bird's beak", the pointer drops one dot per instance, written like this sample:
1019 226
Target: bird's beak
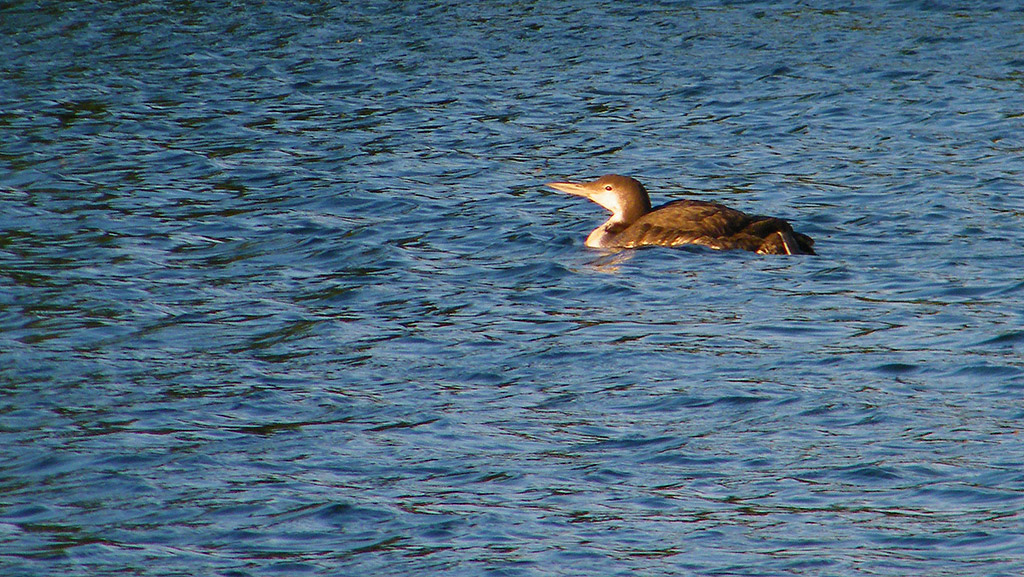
571 188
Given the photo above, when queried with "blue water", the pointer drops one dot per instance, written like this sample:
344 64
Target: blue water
282 292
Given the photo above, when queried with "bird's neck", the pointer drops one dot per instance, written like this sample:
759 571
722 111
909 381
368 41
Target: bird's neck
625 214
602 236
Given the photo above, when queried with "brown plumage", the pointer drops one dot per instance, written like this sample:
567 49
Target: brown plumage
634 223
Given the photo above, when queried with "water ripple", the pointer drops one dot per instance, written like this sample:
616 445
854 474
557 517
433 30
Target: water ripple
281 290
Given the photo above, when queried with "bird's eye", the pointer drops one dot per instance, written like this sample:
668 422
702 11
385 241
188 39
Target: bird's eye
608 187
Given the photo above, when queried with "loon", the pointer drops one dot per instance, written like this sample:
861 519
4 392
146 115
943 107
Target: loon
634 223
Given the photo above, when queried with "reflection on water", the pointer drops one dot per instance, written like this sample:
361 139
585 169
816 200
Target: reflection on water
611 262
281 290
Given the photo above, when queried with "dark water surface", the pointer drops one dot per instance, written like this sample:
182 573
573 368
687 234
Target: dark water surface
281 291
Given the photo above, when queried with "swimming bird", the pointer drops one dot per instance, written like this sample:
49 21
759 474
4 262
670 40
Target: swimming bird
634 223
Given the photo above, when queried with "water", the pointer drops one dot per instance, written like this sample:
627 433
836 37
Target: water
281 291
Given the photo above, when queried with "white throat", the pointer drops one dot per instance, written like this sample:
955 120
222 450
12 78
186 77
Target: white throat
610 201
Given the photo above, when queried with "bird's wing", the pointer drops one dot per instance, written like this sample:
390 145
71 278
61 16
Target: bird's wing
713 225
687 222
